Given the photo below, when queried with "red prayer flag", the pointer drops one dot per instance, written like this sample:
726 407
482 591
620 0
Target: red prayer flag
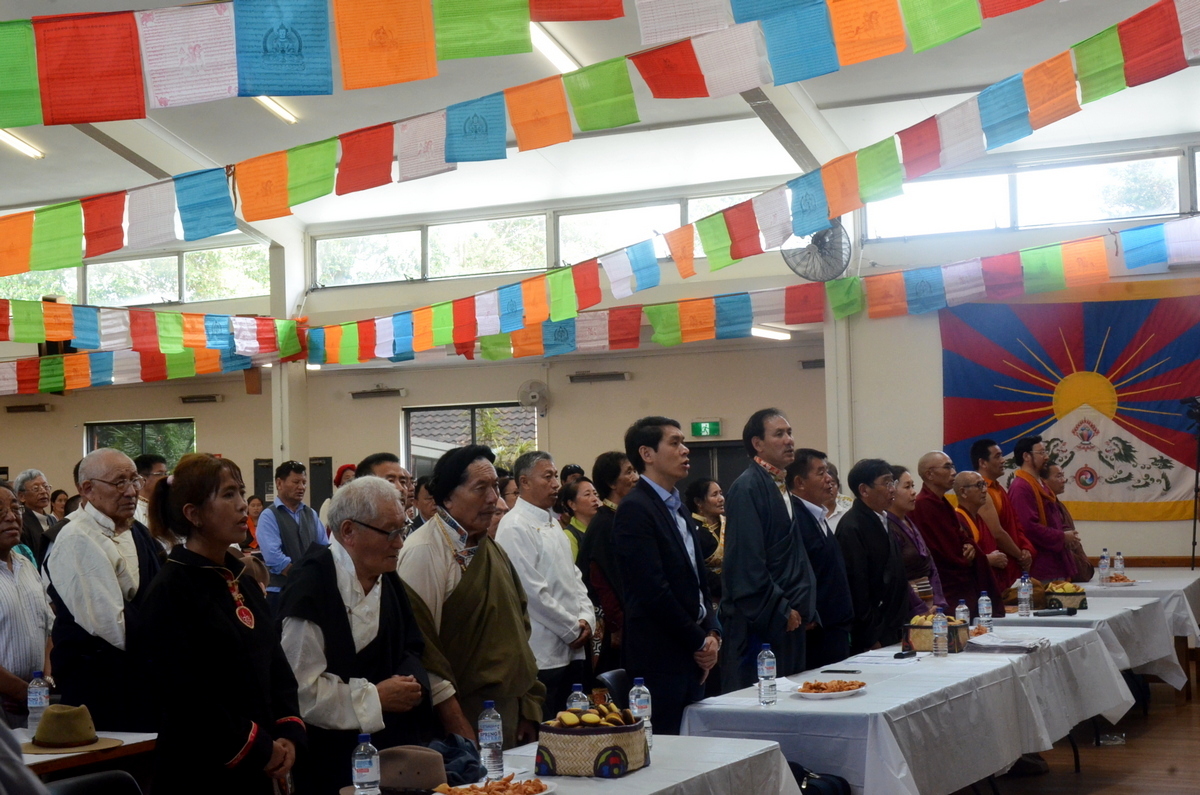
1152 44
154 366
1003 277
672 72
624 327
5 333
465 328
921 147
29 373
586 276
143 329
804 303
465 348
998 8
366 158
743 230
366 340
102 218
264 330
575 10
89 68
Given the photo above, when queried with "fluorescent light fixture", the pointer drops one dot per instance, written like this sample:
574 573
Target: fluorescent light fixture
20 146
277 109
550 48
268 365
311 366
769 333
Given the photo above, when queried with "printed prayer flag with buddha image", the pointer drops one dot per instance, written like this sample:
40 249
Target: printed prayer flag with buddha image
742 224
512 307
845 296
840 180
803 303
733 60
1144 245
810 209
20 98
879 174
672 72
205 361
886 295
664 318
558 337
561 283
78 52
681 243
668 20
1050 90
262 185
383 42
1003 277
1100 65
586 276
476 130
310 170
806 21
283 49
866 29
1043 268
481 28
59 321
151 216
421 146
1004 112
16 240
366 158
602 95
205 206
934 22
57 237
216 330
1085 262
189 53
538 113
575 10
698 320
443 323
1152 44
487 313
924 290
714 239
921 147
734 316
773 216
960 133
963 282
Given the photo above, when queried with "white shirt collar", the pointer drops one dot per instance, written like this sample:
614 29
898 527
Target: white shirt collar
349 587
106 523
541 515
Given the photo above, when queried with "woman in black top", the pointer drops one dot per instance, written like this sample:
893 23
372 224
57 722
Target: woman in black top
227 698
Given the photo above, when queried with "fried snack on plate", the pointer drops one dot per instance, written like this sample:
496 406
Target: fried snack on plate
1119 578
505 786
832 686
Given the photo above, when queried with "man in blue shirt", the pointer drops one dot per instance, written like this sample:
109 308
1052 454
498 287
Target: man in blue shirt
288 528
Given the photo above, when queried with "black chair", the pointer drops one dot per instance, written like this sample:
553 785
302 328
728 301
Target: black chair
617 682
109 782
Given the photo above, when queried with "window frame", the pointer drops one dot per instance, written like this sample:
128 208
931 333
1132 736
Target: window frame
179 254
88 428
406 435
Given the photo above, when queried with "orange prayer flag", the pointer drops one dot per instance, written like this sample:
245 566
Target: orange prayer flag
886 295
1085 262
422 320
527 341
77 371
16 240
262 183
533 295
866 29
382 42
682 243
1050 90
208 360
840 178
698 320
333 344
59 320
194 335
538 112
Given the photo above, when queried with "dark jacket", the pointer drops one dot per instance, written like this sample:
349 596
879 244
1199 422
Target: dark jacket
835 604
33 536
875 571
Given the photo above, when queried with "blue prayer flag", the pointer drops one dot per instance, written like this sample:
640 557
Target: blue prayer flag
402 336
101 364
750 10
231 361
217 332
87 327
735 316
1004 112
644 262
283 48
800 43
405 356
558 337
512 308
205 205
316 345
475 130
1144 245
810 209
925 289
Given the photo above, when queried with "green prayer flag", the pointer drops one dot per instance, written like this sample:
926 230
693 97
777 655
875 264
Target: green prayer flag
27 323
443 323
57 237
480 28
170 332
311 170
563 305
879 174
601 95
495 347
348 349
934 22
665 320
20 97
289 339
181 364
845 296
1043 269
1100 65
51 377
714 238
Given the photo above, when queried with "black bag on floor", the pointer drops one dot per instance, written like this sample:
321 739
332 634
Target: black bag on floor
819 784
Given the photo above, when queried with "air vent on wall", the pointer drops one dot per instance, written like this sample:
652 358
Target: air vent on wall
588 377
30 408
201 399
812 364
379 391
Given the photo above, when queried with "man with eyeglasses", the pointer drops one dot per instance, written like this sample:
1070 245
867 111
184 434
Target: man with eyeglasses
987 566
1034 505
289 528
388 467
874 565
33 492
351 638
100 569
153 468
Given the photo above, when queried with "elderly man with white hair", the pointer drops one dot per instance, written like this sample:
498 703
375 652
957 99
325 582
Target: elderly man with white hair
351 638
100 568
33 491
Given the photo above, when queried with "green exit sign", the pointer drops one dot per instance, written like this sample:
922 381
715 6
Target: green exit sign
706 428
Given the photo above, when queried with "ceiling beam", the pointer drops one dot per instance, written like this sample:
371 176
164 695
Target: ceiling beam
797 123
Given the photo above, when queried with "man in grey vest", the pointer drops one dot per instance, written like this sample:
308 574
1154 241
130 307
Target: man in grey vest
288 528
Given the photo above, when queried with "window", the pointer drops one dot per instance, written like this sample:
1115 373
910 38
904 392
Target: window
235 272
582 236
699 208
368 259
31 286
497 246
943 205
172 439
146 281
509 430
1098 192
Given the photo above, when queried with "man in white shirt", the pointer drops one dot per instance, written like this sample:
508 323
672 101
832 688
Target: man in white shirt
560 612
351 638
25 617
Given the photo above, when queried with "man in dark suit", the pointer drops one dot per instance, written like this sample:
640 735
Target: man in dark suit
671 635
810 484
874 566
34 493
769 591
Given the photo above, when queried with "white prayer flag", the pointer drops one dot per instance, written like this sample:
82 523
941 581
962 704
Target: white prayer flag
190 54
591 331
733 60
151 216
127 367
487 313
421 146
114 330
961 132
774 217
245 335
1188 12
8 378
668 20
768 306
384 337
1183 241
620 273
963 282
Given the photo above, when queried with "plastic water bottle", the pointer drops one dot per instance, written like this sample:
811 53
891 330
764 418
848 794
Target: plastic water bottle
1025 596
941 635
1119 564
985 610
766 676
37 699
1104 566
366 767
639 705
491 741
578 699
962 612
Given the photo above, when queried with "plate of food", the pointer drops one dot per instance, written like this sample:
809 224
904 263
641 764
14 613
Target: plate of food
1120 580
505 786
835 688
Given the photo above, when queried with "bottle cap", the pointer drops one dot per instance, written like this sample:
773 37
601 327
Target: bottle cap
489 705
37 674
983 593
766 647
577 688
939 610
962 601
364 738
638 681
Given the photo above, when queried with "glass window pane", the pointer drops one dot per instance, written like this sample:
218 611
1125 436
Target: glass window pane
1098 192
945 205
33 285
431 432
505 244
217 273
145 281
582 236
698 208
172 439
367 259
509 430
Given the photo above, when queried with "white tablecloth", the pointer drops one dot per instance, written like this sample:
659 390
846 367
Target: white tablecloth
1179 590
907 732
1135 631
684 766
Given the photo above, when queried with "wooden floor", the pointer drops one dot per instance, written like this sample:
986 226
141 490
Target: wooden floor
1161 756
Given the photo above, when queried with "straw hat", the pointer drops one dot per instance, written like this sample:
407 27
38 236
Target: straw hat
67 730
407 768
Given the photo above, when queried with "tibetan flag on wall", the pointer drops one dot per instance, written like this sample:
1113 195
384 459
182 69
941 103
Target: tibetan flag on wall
743 230
715 240
845 296
1003 276
681 243
921 147
262 184
20 99
538 112
602 95
1043 269
475 130
734 316
103 217
586 276
934 22
698 320
1144 245
644 263
886 295
866 29
182 364
806 22
264 329
190 54
381 42
316 346
151 210
558 337
575 10
840 180
204 204
1085 262
672 72
733 60
803 303
310 170
1050 90
366 158
561 282
1189 25
924 289
78 52
283 48
533 296
664 318
879 174
57 237
481 28
1004 112
289 338
810 209
1100 65
624 327
1152 44
153 367
421 146
16 238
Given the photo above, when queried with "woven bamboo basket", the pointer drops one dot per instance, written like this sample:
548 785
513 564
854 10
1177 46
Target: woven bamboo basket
603 752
